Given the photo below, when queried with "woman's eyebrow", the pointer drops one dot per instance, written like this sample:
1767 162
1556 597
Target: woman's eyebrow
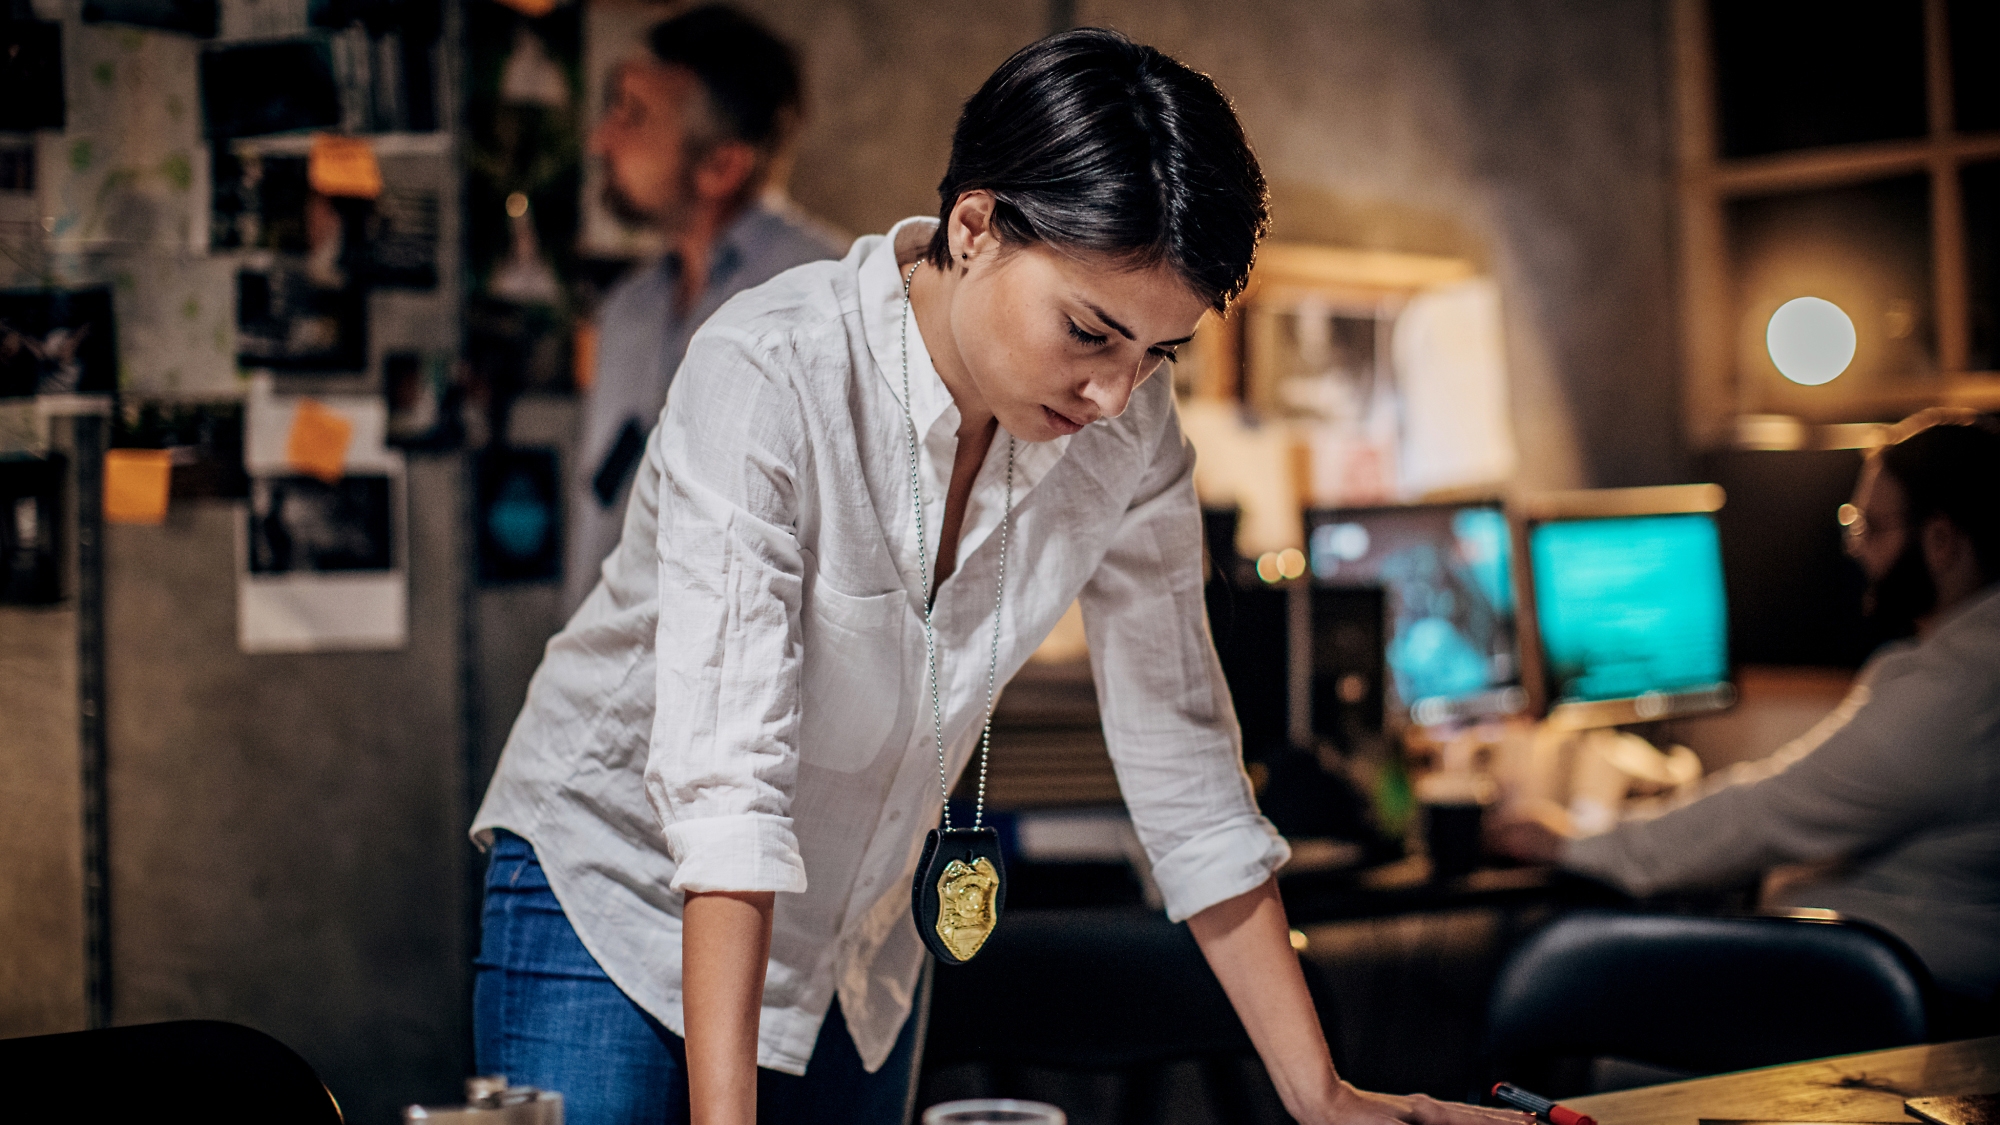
1106 318
1127 332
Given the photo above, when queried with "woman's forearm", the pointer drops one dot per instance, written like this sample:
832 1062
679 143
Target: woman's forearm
1248 944
725 942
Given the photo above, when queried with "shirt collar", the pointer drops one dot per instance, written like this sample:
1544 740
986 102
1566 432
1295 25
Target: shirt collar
883 311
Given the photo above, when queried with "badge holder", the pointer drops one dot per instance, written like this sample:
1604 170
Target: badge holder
961 884
959 891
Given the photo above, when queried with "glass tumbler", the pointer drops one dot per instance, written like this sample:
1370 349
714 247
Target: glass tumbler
992 1111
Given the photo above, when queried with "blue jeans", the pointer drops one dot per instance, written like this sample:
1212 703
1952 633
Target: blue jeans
544 1014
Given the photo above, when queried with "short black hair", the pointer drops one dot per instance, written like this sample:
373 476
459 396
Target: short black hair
1089 141
1948 462
751 75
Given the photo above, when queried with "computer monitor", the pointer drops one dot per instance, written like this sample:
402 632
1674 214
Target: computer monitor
1624 592
1448 580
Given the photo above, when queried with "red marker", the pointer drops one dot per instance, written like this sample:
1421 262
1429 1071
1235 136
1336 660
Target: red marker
1538 1105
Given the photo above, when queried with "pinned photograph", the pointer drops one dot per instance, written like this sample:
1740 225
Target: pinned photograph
258 200
31 529
403 239
57 342
520 521
289 318
321 564
425 398
192 17
263 88
31 76
303 307
384 61
321 561
302 524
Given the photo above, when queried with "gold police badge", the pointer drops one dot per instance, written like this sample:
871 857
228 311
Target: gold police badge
965 905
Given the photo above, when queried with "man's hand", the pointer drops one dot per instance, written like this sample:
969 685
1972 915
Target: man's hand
1534 835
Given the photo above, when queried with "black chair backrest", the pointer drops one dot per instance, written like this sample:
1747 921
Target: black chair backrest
187 1070
1704 994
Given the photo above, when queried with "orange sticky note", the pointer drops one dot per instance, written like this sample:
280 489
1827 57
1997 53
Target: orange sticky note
317 445
136 482
343 166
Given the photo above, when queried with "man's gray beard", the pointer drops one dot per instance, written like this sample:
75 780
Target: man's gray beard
622 208
669 220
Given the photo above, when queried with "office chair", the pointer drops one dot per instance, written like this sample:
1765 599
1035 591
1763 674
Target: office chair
1110 990
187 1070
1694 995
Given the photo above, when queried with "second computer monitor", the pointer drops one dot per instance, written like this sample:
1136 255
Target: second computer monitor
1448 578
1629 607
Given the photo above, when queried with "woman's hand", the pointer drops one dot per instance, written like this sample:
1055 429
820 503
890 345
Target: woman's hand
1248 943
1359 1107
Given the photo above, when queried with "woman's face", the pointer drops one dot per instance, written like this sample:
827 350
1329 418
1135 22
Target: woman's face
1050 342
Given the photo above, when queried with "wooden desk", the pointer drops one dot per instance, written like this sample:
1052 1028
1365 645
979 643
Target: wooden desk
1864 1087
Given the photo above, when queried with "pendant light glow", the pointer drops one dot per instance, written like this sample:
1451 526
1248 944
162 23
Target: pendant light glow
1811 340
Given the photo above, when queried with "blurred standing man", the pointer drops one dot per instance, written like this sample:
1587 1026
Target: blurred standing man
696 141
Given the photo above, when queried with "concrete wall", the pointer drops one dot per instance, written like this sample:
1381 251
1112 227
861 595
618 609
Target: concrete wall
1528 135
41 827
287 844
287 831
885 80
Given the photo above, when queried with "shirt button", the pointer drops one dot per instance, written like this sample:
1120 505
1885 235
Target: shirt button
895 815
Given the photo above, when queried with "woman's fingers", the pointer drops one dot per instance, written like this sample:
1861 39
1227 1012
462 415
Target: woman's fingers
1425 1110
1365 1108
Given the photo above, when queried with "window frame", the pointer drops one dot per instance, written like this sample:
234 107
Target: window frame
1715 393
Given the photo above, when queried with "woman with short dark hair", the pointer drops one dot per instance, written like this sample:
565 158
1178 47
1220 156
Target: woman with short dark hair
878 485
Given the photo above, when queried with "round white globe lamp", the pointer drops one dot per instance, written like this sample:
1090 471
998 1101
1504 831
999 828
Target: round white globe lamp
1811 340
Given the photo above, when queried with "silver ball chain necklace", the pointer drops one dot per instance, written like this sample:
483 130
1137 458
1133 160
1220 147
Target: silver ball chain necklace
961 884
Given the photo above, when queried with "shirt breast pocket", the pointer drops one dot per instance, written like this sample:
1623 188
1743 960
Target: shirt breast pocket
852 685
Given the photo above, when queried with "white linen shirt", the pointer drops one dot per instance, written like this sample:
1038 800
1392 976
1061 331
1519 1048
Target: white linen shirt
740 703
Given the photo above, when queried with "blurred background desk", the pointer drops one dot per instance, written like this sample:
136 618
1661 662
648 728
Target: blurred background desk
1865 1087
1406 887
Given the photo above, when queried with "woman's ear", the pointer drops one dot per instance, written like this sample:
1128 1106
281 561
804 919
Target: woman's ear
971 233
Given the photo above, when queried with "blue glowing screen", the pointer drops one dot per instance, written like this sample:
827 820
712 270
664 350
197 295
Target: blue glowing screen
1450 598
1629 606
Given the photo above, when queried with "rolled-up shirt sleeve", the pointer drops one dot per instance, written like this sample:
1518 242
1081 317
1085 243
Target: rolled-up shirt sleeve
1865 776
723 756
1167 716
